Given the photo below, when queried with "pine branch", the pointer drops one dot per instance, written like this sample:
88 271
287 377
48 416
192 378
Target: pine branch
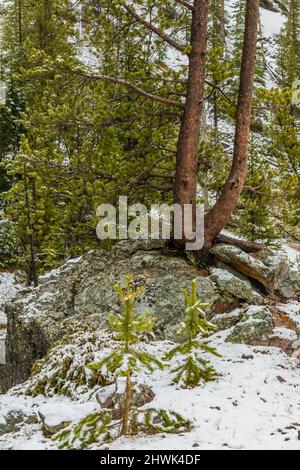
136 89
159 187
154 29
185 4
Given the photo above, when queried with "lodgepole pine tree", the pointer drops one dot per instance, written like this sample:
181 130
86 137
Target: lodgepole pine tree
194 369
126 360
187 146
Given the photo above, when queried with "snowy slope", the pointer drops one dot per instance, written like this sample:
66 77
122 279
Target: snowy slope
254 404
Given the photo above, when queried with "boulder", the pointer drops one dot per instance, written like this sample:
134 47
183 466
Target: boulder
292 313
226 320
236 285
80 295
254 325
271 269
56 416
112 397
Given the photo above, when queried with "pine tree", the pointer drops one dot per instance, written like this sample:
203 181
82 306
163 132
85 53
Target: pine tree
288 57
194 369
254 218
126 359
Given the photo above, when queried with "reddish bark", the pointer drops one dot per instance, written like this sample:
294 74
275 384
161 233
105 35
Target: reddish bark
186 158
220 214
249 247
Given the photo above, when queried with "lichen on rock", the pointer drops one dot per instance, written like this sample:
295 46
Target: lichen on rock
236 285
255 323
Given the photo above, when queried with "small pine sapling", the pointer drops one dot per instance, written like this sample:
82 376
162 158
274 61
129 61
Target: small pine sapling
126 360
194 369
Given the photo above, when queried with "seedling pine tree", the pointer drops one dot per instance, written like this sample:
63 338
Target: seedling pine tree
125 360
194 369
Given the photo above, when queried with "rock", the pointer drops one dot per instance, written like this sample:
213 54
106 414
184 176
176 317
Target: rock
292 312
255 323
236 285
55 417
112 397
80 295
12 421
227 320
271 269
281 338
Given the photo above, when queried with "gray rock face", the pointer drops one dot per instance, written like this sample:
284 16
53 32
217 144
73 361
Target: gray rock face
236 285
80 294
227 320
255 323
271 269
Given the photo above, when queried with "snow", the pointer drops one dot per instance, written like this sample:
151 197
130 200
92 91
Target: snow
3 319
62 412
284 333
293 255
272 22
244 409
8 289
292 310
254 404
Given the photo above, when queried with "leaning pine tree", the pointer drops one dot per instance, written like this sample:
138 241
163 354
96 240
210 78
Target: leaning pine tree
194 369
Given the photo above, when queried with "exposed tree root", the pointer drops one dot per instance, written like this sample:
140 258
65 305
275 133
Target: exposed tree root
248 247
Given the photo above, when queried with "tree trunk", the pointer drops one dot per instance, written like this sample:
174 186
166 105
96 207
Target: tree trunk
220 214
126 406
185 188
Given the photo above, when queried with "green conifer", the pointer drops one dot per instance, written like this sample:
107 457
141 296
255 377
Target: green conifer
126 359
194 369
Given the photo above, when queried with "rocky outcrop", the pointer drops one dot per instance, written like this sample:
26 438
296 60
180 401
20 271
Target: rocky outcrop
269 268
236 285
255 323
226 320
80 295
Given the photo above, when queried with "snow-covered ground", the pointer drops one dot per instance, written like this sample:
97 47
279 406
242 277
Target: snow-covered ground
255 404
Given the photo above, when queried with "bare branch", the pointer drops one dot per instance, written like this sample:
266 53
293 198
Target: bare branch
136 89
155 30
185 4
